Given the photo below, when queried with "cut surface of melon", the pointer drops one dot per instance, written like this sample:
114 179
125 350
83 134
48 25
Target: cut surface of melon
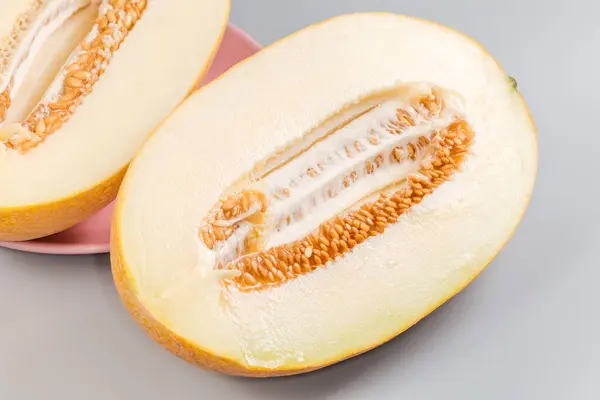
323 196
83 83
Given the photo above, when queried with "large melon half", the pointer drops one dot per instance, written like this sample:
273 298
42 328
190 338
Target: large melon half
323 196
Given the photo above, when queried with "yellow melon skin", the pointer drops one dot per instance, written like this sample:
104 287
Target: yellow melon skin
129 290
56 211
42 220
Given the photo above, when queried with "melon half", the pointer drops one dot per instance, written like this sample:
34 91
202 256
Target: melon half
323 196
82 85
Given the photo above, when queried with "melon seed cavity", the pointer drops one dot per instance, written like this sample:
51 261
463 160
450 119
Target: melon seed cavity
85 66
315 201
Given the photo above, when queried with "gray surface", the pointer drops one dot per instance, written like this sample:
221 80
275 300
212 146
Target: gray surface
527 328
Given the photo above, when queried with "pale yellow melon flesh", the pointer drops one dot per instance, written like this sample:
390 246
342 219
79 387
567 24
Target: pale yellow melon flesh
77 170
384 285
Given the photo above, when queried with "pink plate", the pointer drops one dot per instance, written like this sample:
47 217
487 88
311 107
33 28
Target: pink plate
92 236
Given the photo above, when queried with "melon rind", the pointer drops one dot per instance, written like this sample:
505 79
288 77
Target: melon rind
382 287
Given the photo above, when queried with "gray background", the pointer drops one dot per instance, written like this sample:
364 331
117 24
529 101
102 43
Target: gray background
527 328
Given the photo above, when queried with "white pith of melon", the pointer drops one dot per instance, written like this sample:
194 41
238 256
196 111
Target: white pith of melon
384 285
77 170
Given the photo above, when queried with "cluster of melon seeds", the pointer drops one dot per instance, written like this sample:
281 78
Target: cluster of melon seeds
4 103
224 219
434 153
83 69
